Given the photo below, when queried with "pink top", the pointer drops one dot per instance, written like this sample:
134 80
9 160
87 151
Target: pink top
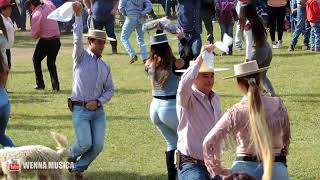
277 3
41 27
196 113
236 122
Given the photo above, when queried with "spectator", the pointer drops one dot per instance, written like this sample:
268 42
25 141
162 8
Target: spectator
103 13
49 41
23 15
5 10
302 24
207 15
226 16
135 12
276 13
190 24
313 12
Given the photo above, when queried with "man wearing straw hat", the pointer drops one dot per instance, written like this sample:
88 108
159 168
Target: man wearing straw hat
47 31
198 110
92 87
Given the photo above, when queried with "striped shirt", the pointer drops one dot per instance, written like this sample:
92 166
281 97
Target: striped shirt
92 78
196 113
236 122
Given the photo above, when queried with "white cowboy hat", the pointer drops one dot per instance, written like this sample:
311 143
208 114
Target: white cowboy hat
247 68
98 34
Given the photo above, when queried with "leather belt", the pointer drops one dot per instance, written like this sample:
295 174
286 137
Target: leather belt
165 97
255 158
80 103
189 159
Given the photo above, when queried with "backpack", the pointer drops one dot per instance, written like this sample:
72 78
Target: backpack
227 11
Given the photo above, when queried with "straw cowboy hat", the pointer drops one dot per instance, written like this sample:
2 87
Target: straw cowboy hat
207 65
98 34
245 69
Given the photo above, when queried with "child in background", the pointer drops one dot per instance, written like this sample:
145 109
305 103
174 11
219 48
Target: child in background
313 16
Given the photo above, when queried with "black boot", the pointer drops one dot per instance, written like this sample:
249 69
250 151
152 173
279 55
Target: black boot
114 47
172 171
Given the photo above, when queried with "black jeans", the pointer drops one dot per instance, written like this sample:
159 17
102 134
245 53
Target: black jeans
8 53
207 15
108 24
49 48
276 20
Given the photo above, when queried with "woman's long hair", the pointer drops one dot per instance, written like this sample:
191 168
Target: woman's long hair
4 70
259 32
259 129
163 51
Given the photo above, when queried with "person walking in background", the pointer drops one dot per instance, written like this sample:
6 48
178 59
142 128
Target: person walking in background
189 22
226 15
313 14
276 12
164 81
92 87
260 126
198 110
302 26
23 15
5 141
49 41
103 13
257 46
207 15
135 12
5 10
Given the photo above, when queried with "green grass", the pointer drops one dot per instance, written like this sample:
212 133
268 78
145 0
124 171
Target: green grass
134 149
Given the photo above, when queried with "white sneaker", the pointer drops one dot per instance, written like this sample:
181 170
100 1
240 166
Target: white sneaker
279 45
274 45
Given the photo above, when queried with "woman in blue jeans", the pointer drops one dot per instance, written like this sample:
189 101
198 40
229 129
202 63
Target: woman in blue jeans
4 99
164 81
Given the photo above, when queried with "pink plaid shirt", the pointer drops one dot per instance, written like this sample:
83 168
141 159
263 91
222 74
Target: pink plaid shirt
236 122
41 27
196 113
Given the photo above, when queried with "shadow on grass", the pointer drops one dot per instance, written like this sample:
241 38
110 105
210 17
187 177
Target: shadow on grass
300 95
42 117
27 72
122 176
26 99
292 54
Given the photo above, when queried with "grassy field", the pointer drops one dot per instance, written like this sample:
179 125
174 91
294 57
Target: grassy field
134 149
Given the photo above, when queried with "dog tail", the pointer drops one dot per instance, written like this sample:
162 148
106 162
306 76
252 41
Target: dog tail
62 142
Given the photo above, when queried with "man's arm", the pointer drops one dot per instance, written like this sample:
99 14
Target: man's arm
88 5
122 7
108 88
78 48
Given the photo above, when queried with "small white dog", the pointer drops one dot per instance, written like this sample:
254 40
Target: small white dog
34 155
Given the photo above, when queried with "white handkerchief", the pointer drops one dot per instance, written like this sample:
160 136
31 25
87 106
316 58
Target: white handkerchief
64 13
224 45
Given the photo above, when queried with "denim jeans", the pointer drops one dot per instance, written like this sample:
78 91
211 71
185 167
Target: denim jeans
194 41
4 118
131 24
256 169
302 26
164 115
189 171
315 36
228 29
238 38
90 131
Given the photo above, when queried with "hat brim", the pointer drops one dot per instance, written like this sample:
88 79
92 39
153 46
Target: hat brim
247 73
106 39
214 70
169 40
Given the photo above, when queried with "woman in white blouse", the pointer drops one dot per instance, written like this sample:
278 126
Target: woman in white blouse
5 11
257 47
